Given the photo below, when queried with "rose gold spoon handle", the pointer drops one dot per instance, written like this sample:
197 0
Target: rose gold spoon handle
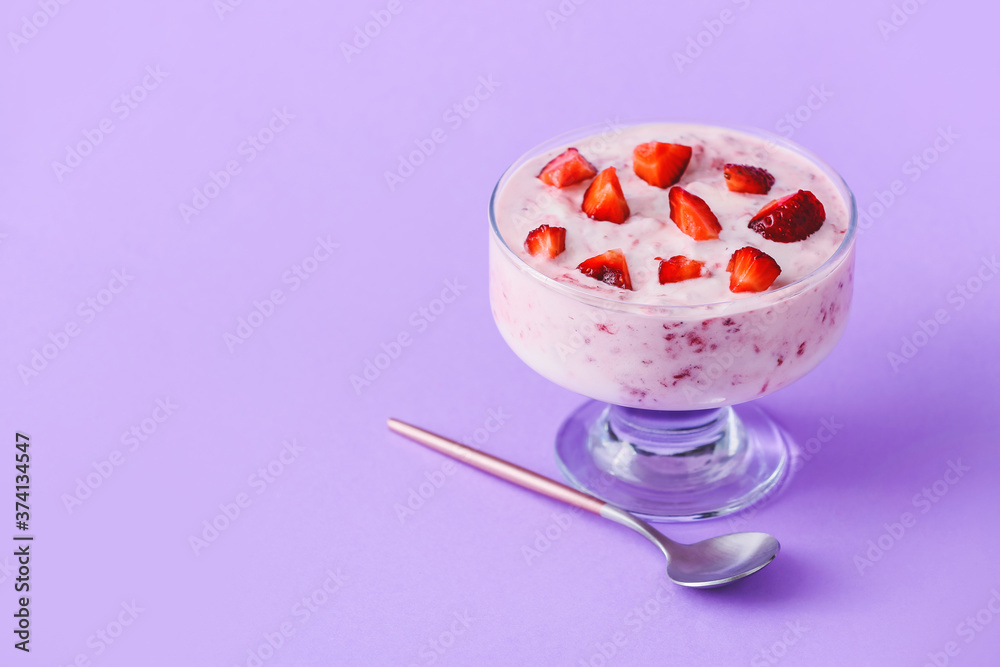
500 468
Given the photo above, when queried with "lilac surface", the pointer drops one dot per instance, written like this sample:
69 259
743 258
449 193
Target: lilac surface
406 582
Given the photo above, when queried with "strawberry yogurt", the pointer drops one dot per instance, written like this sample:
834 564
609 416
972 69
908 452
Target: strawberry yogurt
683 345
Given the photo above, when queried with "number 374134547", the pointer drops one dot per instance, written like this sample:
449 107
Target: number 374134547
22 510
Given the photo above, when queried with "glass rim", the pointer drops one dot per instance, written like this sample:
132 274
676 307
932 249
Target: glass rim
745 303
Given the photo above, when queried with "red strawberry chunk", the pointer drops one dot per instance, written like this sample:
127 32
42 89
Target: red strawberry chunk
751 270
789 219
604 199
609 268
567 168
660 164
692 215
744 178
679 268
546 241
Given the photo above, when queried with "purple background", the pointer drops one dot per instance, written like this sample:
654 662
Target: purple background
877 100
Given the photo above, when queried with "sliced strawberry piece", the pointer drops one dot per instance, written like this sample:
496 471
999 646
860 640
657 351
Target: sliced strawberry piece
692 215
609 268
567 168
789 219
660 164
679 268
546 241
744 178
604 199
751 270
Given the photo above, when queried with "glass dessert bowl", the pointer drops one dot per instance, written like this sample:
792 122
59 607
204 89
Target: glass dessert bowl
672 273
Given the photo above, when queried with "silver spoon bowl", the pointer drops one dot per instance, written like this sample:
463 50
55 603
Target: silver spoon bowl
709 563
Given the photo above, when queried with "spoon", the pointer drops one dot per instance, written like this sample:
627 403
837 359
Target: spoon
706 564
